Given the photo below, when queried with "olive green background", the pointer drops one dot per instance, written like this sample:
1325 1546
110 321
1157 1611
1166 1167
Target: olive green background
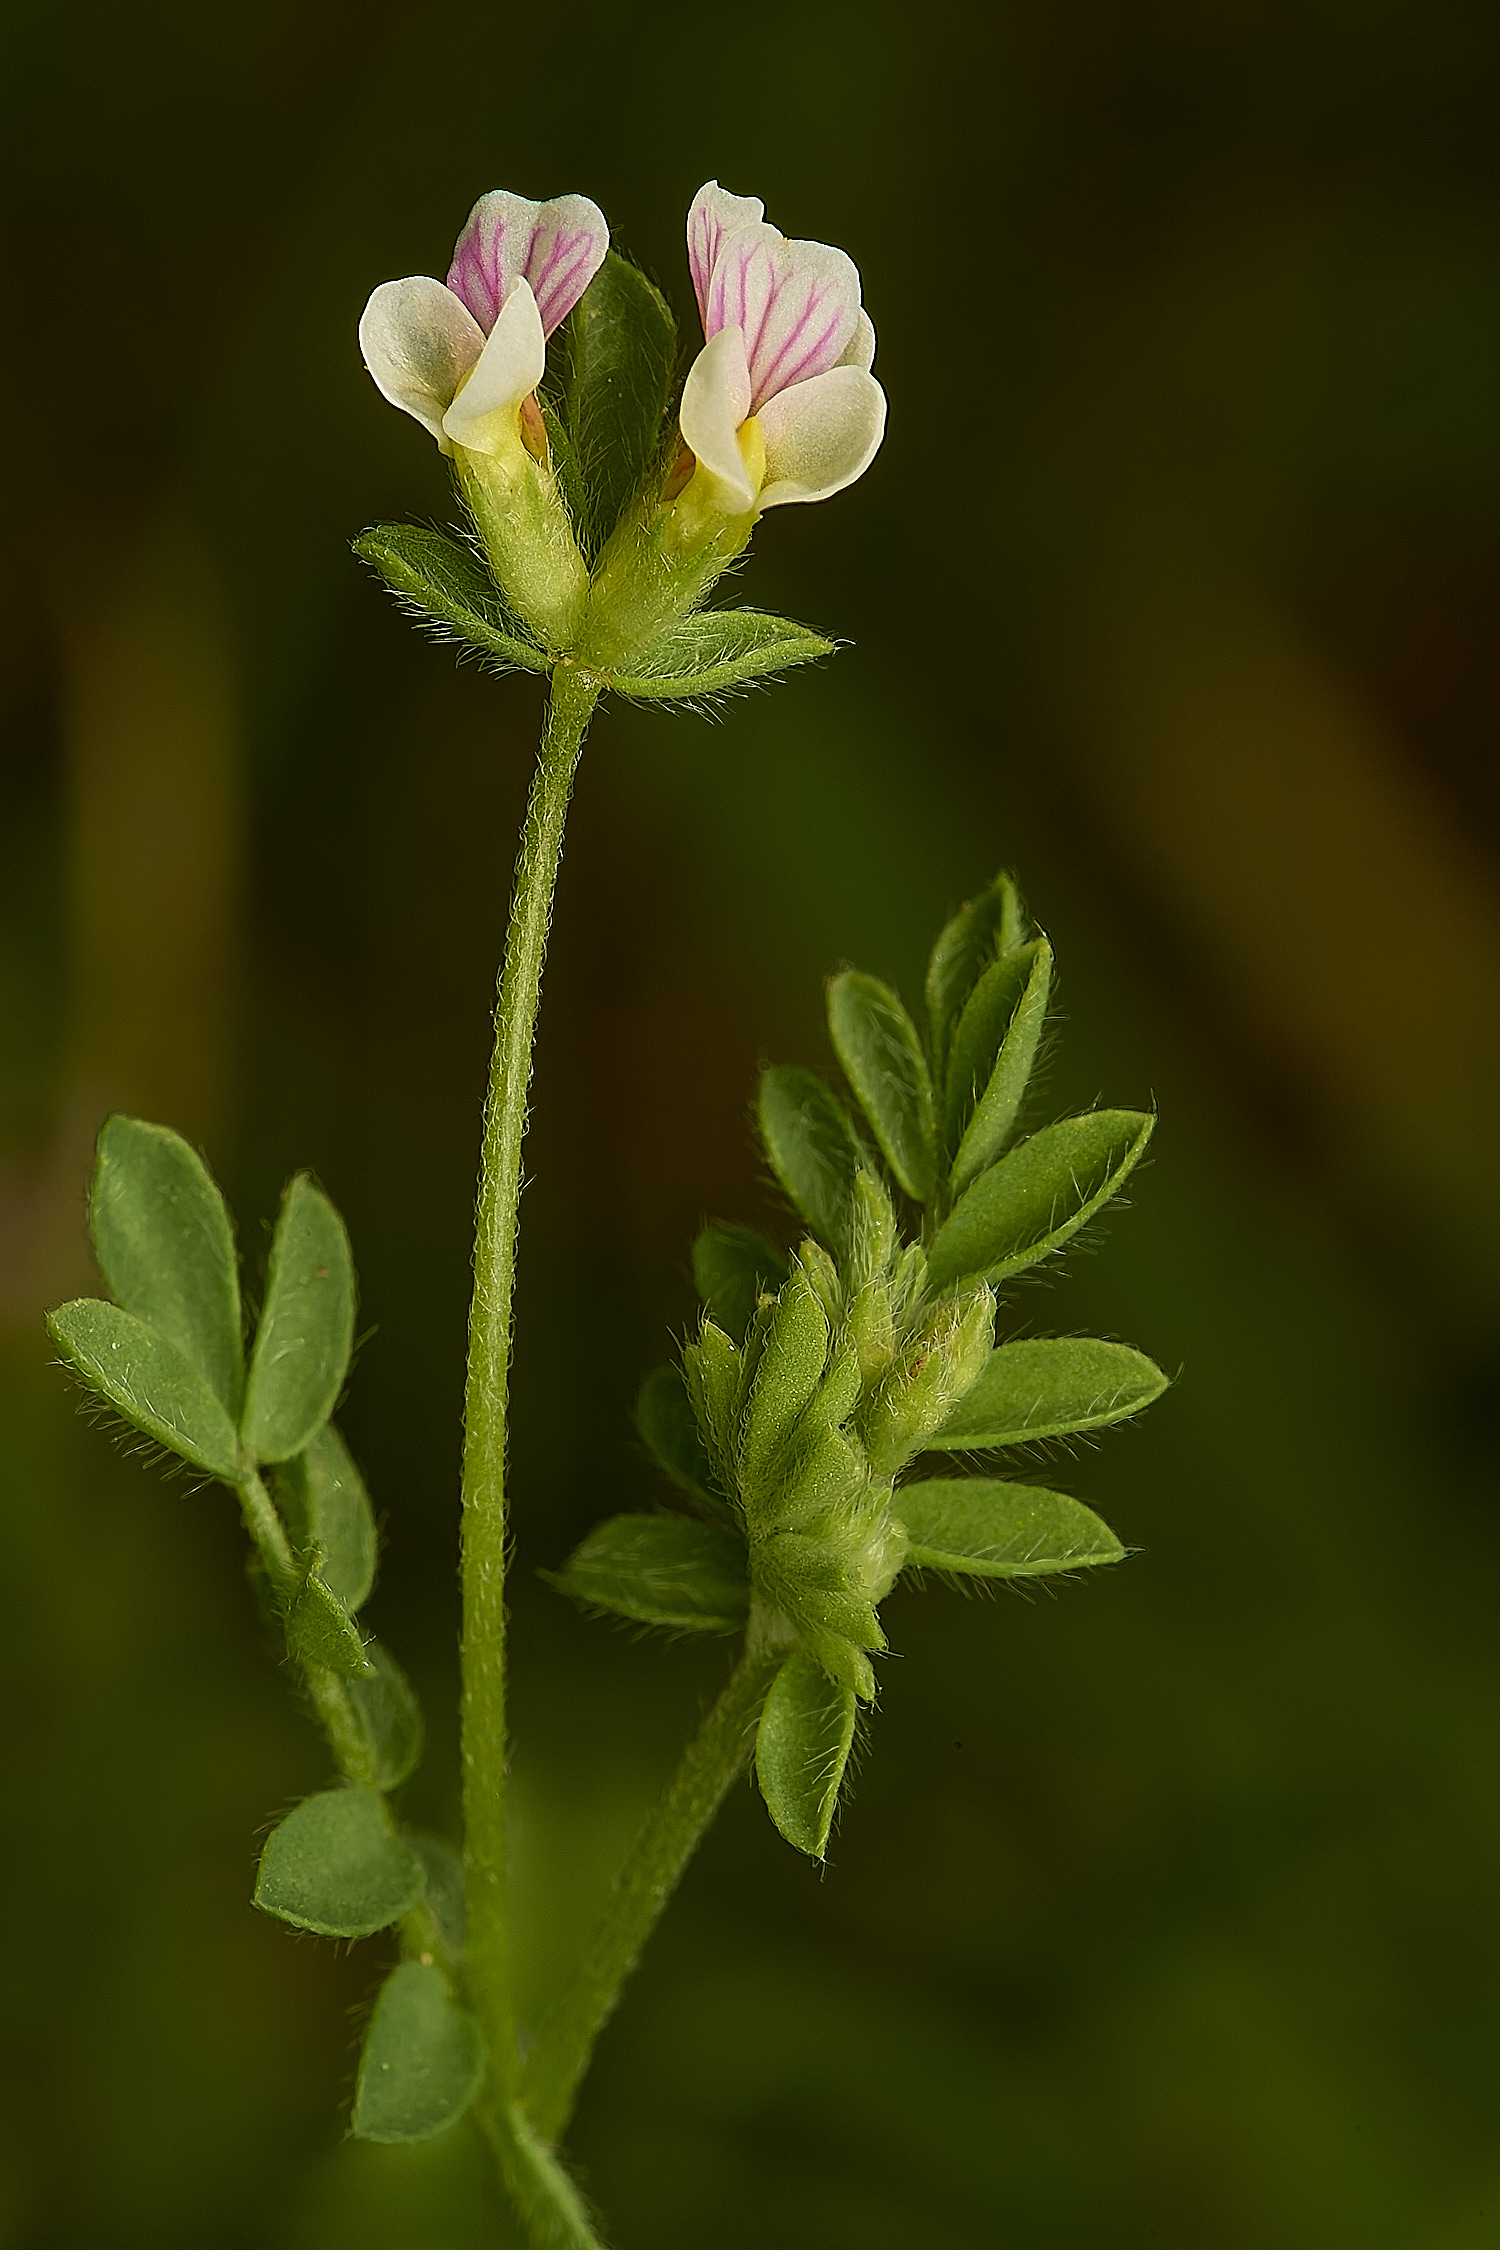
1164 1911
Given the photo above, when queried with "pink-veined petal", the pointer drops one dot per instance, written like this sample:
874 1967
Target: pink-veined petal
419 342
482 417
821 435
557 247
715 213
797 302
715 401
860 350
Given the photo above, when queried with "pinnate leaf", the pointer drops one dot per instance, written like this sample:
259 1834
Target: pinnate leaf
621 357
801 1750
1046 1388
813 1147
717 650
733 1267
881 1056
323 1498
165 1247
1035 1200
987 1529
147 1381
449 585
306 1330
661 1570
991 924
422 2062
994 1049
334 1865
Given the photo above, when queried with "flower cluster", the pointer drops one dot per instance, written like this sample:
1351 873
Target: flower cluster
778 406
815 1383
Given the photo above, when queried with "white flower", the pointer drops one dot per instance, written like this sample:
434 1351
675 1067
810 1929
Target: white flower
780 404
466 356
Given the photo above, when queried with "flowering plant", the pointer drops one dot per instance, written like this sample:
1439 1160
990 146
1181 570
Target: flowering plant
601 506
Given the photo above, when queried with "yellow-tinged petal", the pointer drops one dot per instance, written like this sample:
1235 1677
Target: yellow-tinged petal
485 416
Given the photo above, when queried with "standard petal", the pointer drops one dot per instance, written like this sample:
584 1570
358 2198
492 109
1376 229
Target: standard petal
507 371
715 213
566 252
558 247
860 350
419 342
715 401
798 303
821 435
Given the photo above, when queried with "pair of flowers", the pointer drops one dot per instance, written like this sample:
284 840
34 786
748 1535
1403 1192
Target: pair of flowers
779 405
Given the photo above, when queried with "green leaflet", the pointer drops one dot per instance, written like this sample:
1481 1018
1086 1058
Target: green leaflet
423 2059
1045 1388
148 1381
718 649
306 1330
334 1866
165 1246
733 1267
390 1718
881 1056
994 1049
319 1630
814 1149
322 1496
669 1428
621 357
992 1530
801 1751
1036 1199
661 1570
989 925
449 584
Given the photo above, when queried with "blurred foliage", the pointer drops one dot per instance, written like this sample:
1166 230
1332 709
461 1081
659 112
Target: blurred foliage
1175 587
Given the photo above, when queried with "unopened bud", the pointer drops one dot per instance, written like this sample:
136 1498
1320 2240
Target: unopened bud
937 1368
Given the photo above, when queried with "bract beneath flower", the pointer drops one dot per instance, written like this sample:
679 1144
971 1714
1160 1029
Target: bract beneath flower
788 350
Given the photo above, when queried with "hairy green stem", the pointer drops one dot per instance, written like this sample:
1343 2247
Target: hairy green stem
716 1755
556 2216
485 1527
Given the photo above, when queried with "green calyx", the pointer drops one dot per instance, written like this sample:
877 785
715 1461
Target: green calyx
589 540
814 1387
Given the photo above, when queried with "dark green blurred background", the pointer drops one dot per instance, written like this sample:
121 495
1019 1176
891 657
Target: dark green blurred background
1165 1911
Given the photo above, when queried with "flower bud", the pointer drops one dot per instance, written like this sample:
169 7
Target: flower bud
932 1373
524 529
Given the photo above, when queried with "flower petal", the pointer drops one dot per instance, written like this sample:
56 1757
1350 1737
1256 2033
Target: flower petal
798 303
507 371
715 401
715 213
821 435
419 342
860 350
558 247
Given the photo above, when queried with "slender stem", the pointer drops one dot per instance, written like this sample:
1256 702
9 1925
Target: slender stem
718 1752
485 1398
547 2198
